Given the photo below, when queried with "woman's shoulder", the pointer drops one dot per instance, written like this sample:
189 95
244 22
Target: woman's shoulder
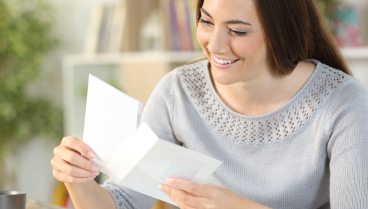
184 71
346 87
180 77
348 97
190 72
183 76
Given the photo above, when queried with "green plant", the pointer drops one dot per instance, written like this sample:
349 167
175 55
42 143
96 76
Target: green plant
24 39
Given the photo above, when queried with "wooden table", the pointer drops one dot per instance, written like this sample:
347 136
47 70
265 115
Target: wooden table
35 204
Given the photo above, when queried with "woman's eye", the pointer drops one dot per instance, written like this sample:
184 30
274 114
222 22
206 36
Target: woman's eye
204 21
238 33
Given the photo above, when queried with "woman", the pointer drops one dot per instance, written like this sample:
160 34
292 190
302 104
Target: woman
274 100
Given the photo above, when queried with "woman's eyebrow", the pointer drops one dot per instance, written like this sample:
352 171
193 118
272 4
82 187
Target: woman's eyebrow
229 21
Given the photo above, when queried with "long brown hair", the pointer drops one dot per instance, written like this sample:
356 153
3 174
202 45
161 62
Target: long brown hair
299 34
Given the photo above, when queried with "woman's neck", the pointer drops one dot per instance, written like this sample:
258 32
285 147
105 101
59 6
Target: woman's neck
264 92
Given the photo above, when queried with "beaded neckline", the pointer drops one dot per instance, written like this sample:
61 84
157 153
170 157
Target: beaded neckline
269 128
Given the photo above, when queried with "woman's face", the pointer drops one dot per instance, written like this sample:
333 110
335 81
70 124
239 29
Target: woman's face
231 31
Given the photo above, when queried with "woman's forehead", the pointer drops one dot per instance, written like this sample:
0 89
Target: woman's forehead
224 10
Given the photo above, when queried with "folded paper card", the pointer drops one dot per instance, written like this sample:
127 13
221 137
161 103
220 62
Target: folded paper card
144 161
138 159
111 117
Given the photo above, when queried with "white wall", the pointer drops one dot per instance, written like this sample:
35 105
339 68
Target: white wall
70 29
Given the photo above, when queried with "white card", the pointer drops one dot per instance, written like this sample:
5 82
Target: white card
144 161
136 158
111 117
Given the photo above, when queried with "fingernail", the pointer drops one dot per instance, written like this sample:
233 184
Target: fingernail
90 178
90 154
94 168
169 180
162 188
94 174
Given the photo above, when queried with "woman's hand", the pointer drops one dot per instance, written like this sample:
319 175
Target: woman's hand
71 162
190 195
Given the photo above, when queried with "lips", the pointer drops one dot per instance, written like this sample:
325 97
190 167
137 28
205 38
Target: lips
224 66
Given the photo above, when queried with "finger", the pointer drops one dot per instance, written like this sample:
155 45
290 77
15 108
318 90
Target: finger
66 168
69 179
77 145
183 196
75 159
188 186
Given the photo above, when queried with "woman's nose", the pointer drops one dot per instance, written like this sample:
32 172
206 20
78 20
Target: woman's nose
218 42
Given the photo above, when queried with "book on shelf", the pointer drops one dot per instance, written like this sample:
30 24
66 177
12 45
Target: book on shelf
93 30
61 196
103 40
117 28
181 25
106 28
192 14
173 35
183 18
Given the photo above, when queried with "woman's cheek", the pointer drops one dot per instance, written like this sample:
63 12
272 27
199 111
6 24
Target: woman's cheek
249 46
243 46
203 35
255 45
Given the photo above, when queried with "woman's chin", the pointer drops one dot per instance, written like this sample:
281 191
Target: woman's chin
225 76
225 79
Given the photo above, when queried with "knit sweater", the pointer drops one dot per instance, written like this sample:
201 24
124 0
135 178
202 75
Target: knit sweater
312 152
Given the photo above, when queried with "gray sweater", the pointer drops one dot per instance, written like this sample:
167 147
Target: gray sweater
310 153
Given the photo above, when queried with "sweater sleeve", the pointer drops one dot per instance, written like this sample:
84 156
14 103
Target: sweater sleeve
347 148
157 114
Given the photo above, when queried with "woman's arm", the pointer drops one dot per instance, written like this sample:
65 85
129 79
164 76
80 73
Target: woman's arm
187 194
348 149
90 195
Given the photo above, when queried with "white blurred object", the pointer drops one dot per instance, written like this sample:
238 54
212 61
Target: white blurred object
151 33
110 115
94 25
357 59
117 28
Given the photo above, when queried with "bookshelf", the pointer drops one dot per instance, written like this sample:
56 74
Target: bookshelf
121 26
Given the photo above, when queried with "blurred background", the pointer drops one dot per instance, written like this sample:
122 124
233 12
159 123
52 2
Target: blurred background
48 48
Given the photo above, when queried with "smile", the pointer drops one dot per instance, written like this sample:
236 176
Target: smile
223 64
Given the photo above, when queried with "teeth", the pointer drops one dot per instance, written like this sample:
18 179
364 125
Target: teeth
223 62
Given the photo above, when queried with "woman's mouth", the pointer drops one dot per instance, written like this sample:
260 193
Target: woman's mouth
223 63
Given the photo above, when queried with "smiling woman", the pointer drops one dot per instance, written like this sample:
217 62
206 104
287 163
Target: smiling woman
273 99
